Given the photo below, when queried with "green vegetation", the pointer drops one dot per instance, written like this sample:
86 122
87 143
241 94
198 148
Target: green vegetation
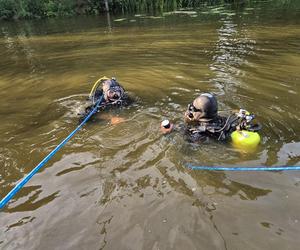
28 9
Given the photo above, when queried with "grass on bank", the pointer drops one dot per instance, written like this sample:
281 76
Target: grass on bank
33 9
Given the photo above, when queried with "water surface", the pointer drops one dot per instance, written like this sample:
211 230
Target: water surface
125 186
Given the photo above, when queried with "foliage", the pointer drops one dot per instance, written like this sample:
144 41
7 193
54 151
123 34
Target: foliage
59 8
16 9
8 9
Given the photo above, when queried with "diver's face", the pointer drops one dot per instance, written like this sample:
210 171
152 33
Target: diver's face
106 85
193 114
113 95
111 92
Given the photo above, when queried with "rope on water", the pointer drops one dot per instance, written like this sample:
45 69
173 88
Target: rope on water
243 169
20 184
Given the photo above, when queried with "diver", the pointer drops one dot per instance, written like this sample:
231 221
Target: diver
113 93
202 121
107 91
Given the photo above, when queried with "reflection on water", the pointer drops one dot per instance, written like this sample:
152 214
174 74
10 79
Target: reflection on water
125 186
232 48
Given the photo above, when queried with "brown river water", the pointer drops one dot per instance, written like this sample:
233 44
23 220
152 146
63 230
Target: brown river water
126 186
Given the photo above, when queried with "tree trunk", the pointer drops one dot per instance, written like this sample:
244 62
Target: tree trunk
106 5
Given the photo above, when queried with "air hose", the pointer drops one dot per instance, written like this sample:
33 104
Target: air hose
95 87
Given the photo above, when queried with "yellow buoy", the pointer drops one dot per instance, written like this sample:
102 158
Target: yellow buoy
245 139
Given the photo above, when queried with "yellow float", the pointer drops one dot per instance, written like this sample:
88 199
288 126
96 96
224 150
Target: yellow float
244 139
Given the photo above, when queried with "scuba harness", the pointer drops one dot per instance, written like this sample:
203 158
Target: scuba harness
222 128
203 122
243 120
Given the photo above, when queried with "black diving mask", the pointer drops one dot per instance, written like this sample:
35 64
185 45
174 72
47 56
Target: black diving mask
114 94
192 108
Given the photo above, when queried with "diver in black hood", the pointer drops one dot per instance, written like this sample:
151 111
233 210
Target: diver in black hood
203 121
111 94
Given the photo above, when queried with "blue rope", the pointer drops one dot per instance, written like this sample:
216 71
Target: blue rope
19 185
243 169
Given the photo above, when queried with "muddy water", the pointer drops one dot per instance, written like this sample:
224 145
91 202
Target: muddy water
125 186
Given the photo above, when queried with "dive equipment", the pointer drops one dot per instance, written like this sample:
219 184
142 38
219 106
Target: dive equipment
246 136
92 95
113 93
245 139
166 124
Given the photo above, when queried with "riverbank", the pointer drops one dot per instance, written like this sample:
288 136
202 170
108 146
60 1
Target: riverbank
38 9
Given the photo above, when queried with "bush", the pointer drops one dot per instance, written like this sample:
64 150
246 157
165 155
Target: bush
8 9
12 9
60 8
35 8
